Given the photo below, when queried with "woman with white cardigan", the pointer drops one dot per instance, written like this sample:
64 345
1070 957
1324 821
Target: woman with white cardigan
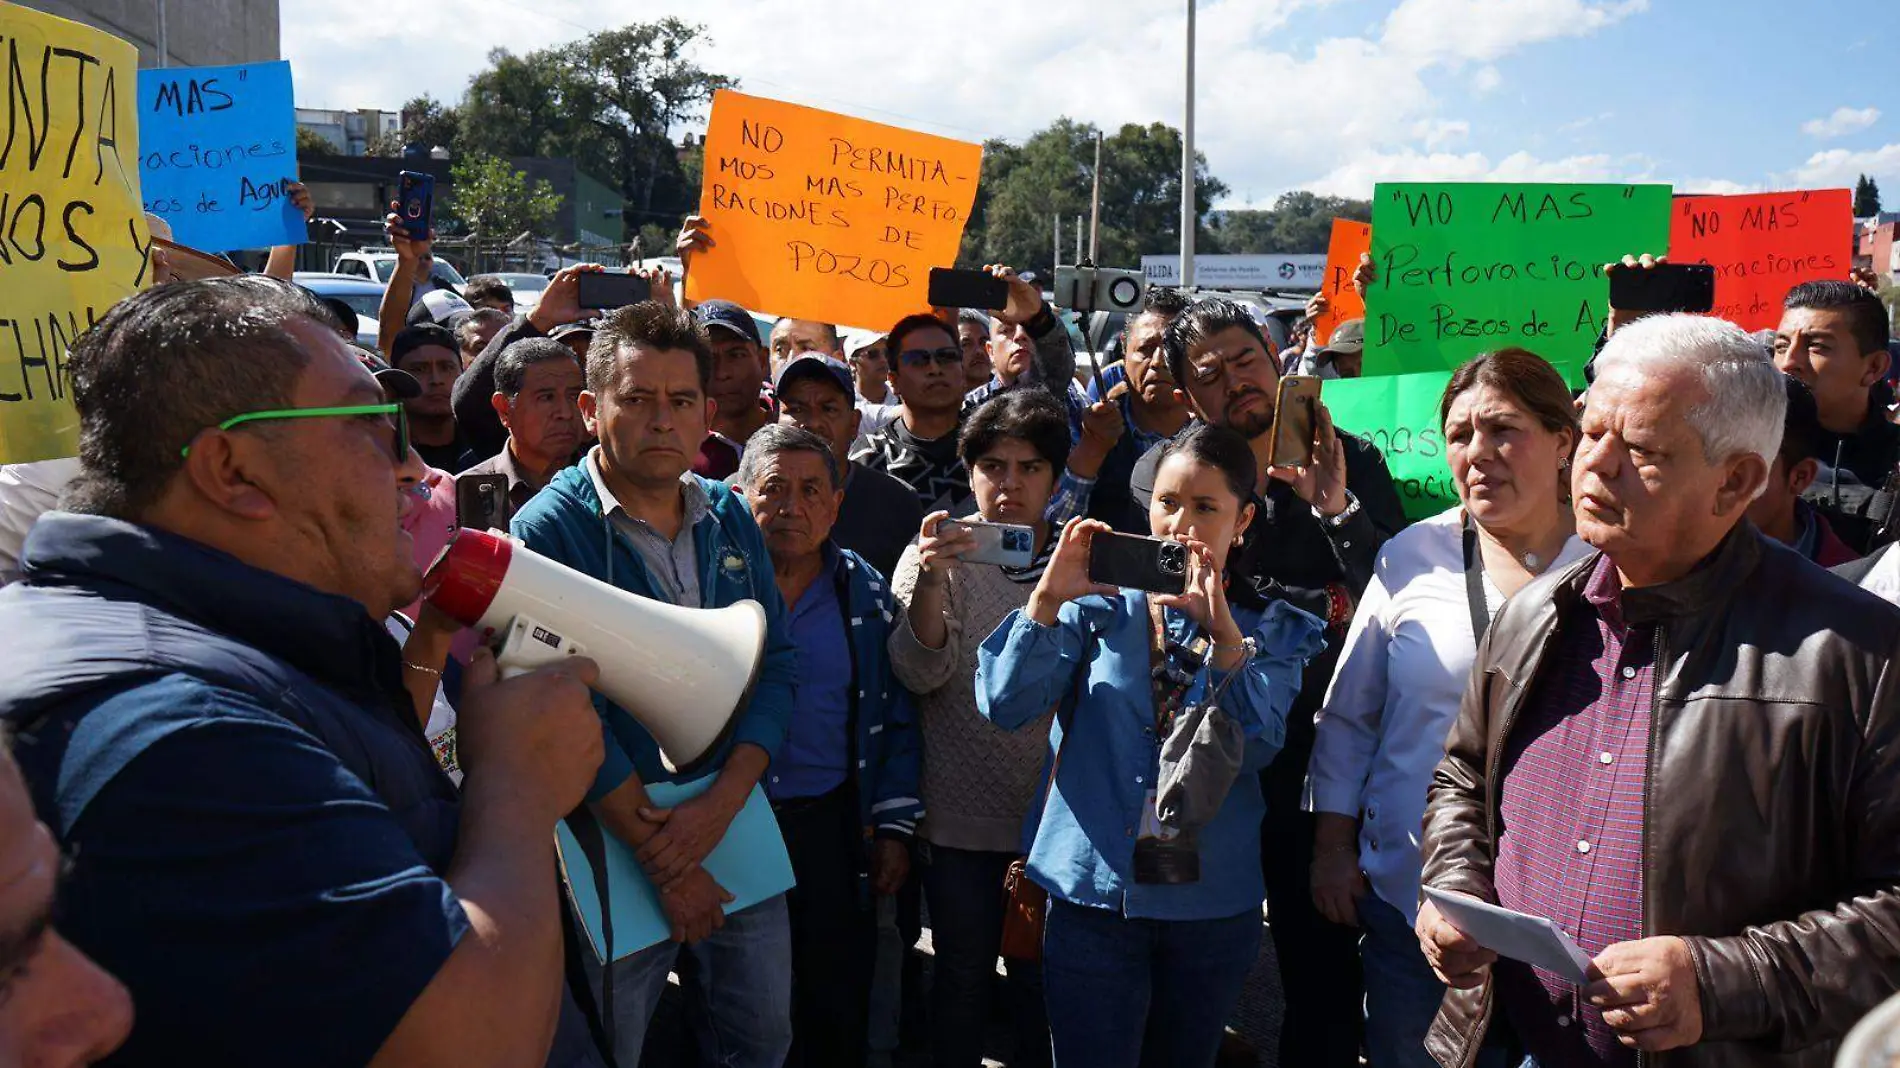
1510 429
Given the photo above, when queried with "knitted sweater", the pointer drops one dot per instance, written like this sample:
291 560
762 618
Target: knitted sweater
978 779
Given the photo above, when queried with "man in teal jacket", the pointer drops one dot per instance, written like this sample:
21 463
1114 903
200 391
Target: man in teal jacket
633 514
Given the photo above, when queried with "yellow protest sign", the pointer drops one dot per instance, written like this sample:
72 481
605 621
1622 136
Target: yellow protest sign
72 230
822 216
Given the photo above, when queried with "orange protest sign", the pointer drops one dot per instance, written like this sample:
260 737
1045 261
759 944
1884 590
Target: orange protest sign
1762 245
1350 241
822 216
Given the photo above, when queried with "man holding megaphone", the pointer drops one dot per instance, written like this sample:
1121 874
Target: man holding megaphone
634 516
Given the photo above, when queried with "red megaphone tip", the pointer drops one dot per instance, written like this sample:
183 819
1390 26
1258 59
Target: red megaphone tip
466 575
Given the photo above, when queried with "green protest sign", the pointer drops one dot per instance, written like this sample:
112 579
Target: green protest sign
1465 268
1399 414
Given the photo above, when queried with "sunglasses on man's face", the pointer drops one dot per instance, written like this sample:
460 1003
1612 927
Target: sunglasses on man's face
394 415
949 356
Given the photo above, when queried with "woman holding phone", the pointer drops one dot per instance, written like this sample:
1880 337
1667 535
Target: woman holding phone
1148 842
978 780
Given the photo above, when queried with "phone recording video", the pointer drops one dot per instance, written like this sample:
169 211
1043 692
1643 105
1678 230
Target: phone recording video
1127 561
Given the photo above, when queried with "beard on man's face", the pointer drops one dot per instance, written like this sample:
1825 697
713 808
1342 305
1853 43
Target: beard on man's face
1256 420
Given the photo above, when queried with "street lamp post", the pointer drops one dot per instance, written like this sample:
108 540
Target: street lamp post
1188 214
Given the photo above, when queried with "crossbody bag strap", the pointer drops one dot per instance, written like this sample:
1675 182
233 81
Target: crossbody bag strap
1474 582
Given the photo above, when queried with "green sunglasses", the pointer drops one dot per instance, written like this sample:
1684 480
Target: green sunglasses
400 424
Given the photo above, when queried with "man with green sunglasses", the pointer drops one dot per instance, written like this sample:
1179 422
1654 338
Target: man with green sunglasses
197 668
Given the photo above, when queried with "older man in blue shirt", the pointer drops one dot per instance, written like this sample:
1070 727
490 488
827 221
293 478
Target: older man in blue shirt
847 777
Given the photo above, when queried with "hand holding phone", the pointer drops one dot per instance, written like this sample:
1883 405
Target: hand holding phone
415 203
481 502
1656 286
1002 544
1126 561
1294 420
954 288
607 290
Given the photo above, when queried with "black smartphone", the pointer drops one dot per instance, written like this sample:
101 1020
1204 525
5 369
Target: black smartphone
481 502
954 288
415 201
1129 562
1666 287
1293 421
607 290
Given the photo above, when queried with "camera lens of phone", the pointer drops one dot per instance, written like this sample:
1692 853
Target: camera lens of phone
1174 558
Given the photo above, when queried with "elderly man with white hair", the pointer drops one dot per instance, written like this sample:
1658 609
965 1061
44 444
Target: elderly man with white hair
1683 750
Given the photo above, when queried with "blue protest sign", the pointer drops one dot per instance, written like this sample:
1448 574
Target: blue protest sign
217 148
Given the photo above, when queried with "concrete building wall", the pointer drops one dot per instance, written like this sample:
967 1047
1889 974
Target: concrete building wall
198 33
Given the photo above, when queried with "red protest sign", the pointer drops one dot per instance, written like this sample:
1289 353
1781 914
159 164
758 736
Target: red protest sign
1350 241
1762 245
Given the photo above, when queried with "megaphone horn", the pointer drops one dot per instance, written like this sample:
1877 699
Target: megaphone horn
683 673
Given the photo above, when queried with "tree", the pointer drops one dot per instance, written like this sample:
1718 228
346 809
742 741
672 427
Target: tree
1298 222
311 143
496 203
1024 188
426 121
610 102
1866 198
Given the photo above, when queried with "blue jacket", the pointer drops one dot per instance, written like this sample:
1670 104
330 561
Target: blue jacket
259 831
564 522
1084 842
888 753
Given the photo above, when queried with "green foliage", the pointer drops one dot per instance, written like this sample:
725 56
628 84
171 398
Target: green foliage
311 143
1298 222
1866 197
1024 188
426 121
496 202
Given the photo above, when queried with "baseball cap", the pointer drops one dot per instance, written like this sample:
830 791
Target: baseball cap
727 316
397 384
856 341
567 330
441 307
814 365
1349 338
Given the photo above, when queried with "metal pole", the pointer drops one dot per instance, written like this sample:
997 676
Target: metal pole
1095 204
1188 214
1078 239
1058 260
164 39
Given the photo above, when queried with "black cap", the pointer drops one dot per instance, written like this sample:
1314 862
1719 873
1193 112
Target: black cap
727 316
397 384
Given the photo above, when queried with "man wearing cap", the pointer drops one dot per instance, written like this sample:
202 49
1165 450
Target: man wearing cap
739 370
1343 355
796 337
879 514
537 395
866 354
428 353
560 306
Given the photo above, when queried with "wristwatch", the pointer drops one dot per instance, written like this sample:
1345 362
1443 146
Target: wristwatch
1334 522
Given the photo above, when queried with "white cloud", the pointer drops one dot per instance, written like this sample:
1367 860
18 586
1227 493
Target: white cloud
1844 121
1268 119
1837 168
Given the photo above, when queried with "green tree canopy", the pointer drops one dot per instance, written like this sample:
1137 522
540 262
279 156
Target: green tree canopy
1298 222
1866 198
496 202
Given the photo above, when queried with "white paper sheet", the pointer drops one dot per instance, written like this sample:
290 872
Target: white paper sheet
1531 939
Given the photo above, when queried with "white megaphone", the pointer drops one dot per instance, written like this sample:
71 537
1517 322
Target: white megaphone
683 673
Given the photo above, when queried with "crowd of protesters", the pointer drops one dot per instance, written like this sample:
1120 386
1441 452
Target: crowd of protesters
297 816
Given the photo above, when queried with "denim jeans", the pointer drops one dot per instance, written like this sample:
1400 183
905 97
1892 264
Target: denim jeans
964 889
1402 994
739 992
1124 993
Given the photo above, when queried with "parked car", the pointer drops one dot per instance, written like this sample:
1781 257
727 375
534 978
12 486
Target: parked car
527 289
376 265
365 298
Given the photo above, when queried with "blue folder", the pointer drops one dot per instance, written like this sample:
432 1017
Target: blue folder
750 862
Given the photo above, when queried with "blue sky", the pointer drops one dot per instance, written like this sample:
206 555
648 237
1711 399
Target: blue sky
1330 95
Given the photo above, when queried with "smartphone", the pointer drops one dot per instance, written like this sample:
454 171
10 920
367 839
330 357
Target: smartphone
415 200
481 502
1293 421
1129 562
607 290
1003 544
1666 287
953 288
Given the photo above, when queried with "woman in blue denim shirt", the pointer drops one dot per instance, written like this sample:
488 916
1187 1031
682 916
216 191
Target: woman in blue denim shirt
1138 971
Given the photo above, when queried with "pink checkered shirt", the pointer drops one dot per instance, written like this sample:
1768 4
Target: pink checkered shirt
1570 844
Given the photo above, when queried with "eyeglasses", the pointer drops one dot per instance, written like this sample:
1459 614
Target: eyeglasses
950 356
400 422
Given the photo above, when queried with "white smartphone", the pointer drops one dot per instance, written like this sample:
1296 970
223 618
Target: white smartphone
1003 544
